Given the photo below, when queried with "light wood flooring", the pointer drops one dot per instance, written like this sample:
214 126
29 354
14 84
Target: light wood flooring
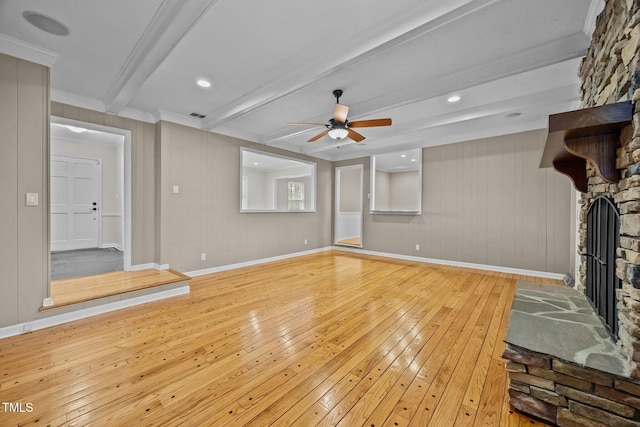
82 289
353 241
333 338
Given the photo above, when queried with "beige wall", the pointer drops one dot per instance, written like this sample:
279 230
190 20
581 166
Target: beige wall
205 216
24 166
484 202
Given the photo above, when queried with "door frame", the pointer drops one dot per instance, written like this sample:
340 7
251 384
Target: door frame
99 197
126 182
337 174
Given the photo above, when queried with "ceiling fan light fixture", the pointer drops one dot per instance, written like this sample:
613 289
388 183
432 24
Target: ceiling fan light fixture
338 134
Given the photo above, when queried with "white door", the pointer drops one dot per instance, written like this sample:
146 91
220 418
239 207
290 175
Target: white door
75 203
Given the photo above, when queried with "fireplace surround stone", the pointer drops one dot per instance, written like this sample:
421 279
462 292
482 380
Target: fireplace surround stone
563 365
568 385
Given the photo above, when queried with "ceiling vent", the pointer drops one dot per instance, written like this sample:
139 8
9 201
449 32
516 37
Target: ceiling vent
198 115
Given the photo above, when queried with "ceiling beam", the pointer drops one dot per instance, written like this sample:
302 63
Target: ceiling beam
395 32
570 47
170 24
416 129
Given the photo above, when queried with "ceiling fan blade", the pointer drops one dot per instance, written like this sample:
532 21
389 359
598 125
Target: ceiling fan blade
370 123
307 124
340 113
318 136
355 135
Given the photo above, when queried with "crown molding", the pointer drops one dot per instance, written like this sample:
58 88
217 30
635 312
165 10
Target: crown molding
27 51
80 101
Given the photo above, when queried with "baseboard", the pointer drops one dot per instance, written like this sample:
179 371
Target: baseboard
255 262
487 267
111 246
152 265
59 319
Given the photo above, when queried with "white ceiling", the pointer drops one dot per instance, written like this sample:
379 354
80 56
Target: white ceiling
274 62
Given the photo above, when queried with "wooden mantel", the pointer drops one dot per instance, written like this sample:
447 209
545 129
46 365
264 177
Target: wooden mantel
587 134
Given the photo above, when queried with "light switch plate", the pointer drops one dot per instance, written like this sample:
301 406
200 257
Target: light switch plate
176 189
32 199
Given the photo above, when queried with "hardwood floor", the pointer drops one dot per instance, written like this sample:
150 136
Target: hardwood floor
82 289
329 339
354 241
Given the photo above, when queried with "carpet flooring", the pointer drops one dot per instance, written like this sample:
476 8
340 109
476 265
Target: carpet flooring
85 262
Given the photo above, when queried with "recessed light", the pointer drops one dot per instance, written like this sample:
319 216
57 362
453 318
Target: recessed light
203 83
413 160
403 155
255 163
453 98
46 23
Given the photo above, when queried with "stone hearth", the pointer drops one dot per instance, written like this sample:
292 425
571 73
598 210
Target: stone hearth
563 365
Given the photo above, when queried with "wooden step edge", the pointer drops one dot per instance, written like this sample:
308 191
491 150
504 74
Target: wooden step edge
180 278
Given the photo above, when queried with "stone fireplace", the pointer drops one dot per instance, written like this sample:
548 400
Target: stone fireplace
574 354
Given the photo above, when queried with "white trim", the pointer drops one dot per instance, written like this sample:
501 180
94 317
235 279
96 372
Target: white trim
180 119
496 268
247 136
153 265
59 319
255 262
76 100
132 113
535 273
27 51
111 246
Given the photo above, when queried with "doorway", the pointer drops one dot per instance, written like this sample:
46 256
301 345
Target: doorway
348 215
89 199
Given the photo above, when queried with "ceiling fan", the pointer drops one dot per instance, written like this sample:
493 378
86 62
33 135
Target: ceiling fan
339 127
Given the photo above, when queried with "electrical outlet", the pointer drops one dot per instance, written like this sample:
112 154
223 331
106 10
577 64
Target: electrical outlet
203 256
27 327
306 241
417 246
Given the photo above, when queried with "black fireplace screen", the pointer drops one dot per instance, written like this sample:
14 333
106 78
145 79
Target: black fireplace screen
603 226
